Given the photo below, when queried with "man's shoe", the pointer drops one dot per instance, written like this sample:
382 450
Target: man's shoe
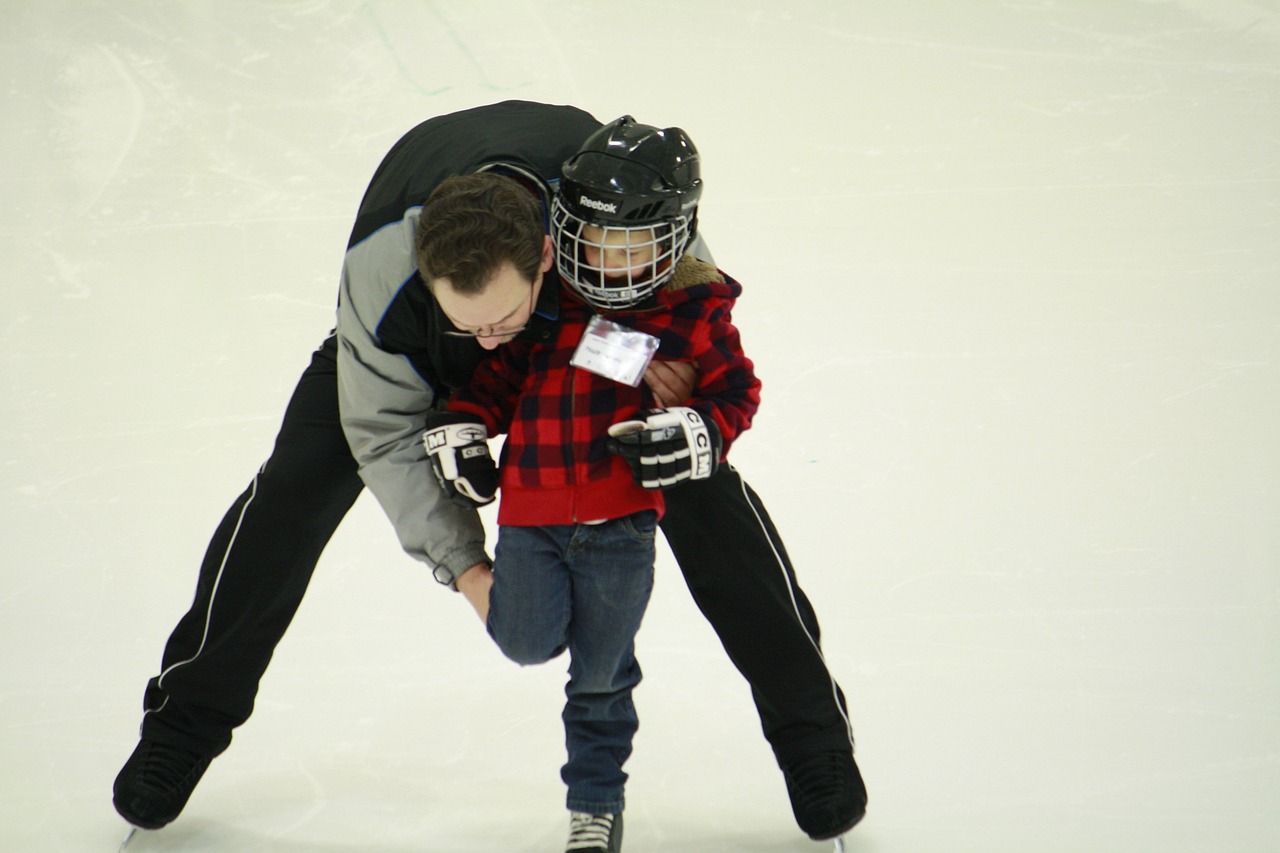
592 833
156 782
827 794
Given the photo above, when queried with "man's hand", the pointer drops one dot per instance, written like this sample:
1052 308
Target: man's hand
671 382
666 447
475 584
458 449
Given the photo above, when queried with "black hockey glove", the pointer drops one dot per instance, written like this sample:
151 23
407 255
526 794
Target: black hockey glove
459 453
666 447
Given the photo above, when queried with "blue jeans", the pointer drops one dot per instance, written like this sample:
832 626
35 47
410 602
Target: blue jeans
581 587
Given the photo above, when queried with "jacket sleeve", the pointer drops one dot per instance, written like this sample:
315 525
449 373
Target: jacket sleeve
495 387
384 402
727 386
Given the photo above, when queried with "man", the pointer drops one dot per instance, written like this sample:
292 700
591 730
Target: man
399 352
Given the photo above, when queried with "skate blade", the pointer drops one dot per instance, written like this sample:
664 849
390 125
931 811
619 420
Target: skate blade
839 844
133 830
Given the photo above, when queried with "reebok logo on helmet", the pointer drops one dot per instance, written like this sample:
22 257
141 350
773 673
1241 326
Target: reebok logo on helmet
595 204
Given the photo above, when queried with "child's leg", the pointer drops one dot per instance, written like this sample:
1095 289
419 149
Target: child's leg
611 566
529 603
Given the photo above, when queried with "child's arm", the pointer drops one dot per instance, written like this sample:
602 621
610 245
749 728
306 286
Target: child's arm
495 387
456 440
727 388
665 447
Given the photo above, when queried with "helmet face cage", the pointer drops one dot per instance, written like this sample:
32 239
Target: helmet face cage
654 246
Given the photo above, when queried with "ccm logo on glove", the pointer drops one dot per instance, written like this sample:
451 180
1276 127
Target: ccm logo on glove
666 447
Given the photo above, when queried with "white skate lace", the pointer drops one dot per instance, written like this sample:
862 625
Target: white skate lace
589 831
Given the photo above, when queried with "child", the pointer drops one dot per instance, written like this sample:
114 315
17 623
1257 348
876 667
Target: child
573 564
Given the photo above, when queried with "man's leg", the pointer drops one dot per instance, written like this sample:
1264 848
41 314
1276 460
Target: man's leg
251 582
742 580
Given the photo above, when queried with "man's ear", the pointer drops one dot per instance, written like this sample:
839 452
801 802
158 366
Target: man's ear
548 253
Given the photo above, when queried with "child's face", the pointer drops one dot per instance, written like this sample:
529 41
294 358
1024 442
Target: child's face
618 253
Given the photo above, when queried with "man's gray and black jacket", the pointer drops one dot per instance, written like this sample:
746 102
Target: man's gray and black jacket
393 362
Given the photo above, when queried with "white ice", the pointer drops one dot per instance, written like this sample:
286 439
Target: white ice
1013 286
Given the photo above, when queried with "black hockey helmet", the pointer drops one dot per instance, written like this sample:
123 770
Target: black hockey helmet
637 188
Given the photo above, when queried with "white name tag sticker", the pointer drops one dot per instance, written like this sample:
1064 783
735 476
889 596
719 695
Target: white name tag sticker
614 352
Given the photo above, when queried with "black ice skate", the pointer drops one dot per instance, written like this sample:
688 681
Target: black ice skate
590 833
156 782
827 794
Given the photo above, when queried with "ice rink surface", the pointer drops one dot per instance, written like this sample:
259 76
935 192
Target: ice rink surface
1013 286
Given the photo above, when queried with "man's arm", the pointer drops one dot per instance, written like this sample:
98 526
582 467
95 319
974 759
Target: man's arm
383 403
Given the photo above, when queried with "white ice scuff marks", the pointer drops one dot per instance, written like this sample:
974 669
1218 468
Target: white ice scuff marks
96 129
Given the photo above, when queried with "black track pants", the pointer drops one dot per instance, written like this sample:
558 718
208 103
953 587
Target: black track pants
256 571
741 579
263 553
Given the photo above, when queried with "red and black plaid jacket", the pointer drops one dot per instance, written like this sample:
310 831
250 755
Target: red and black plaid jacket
556 468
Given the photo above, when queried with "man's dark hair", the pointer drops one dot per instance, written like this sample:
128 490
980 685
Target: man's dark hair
472 224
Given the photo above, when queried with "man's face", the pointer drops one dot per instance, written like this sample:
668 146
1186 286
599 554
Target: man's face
499 312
